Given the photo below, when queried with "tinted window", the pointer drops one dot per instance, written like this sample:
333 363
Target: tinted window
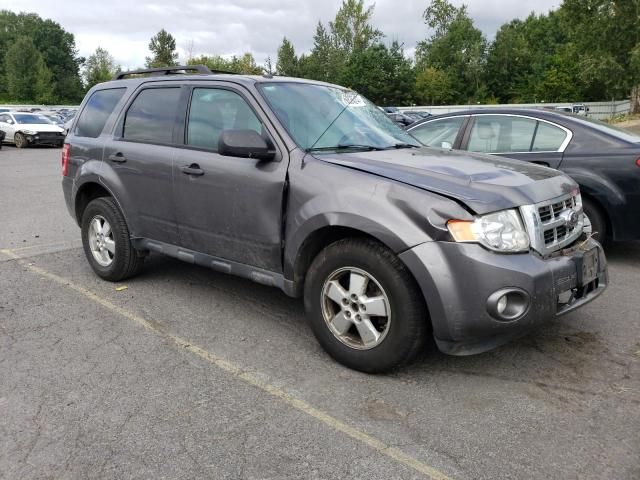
501 134
437 132
152 115
214 110
548 138
97 111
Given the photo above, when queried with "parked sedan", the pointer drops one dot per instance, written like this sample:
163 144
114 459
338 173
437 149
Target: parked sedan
603 160
24 129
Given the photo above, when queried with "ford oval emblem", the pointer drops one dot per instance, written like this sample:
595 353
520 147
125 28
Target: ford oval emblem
571 218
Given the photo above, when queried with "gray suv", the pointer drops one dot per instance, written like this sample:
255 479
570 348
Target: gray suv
310 188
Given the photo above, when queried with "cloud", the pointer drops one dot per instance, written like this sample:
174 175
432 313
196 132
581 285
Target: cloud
124 28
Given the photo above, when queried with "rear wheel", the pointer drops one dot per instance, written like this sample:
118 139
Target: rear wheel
595 222
364 306
106 242
20 140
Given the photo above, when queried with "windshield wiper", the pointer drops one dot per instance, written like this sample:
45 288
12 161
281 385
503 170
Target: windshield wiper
404 145
367 148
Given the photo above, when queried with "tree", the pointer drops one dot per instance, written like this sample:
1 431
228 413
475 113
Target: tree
349 33
287 62
351 29
56 47
245 64
99 67
27 77
382 74
606 34
433 87
457 48
163 50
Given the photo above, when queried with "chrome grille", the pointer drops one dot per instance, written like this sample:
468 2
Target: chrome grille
549 223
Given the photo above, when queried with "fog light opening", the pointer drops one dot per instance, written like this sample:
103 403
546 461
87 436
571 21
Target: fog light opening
508 304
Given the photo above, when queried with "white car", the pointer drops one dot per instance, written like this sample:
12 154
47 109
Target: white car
24 129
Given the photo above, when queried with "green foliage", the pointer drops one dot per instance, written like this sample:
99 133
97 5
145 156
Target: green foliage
99 67
351 30
57 49
287 63
21 77
163 50
384 75
245 64
433 87
456 48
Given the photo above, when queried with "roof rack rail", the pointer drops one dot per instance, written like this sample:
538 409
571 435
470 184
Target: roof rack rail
201 69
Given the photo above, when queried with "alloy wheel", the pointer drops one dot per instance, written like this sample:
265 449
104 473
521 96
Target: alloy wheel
356 308
101 242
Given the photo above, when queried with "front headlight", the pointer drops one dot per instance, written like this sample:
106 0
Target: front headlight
29 132
500 231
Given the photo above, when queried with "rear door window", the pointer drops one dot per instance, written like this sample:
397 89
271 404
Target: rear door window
152 116
438 133
501 134
97 111
549 138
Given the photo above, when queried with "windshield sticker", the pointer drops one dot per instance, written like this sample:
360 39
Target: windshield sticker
352 99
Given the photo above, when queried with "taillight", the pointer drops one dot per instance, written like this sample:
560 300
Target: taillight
65 159
638 162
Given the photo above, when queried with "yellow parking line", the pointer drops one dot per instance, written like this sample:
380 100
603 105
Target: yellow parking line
244 375
43 246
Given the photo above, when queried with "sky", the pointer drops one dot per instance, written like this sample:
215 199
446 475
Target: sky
124 27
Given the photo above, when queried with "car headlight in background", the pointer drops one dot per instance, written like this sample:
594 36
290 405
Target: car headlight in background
500 231
29 132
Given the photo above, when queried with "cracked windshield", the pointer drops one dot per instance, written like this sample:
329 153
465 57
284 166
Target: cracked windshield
320 117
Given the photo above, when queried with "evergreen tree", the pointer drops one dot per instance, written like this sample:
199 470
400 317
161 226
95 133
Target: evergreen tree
163 50
27 77
287 62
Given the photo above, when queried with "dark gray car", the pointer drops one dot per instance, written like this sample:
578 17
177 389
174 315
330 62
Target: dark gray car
310 188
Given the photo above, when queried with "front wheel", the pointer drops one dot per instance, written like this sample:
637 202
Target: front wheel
364 307
106 242
20 140
594 221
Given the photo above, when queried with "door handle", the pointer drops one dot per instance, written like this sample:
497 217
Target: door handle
117 157
193 169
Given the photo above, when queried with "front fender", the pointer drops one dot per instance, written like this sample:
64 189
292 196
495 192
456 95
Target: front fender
603 191
397 215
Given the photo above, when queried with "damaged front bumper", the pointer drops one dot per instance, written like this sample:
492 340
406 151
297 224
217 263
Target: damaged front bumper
463 285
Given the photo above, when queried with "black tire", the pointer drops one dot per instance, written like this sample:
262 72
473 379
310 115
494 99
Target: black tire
19 140
126 261
597 218
408 323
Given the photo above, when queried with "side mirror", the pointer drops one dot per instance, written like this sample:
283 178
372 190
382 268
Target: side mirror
10 122
446 145
245 144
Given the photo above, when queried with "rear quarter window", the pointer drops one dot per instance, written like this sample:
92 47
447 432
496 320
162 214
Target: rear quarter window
96 112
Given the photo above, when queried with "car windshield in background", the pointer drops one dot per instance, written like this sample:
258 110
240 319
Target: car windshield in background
322 117
32 119
617 132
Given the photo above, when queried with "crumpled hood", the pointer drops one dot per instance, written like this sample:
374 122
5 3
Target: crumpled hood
484 183
39 127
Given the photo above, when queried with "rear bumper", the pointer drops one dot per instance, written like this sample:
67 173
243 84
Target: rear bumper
459 280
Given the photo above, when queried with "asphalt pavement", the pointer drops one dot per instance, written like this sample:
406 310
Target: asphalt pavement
183 372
